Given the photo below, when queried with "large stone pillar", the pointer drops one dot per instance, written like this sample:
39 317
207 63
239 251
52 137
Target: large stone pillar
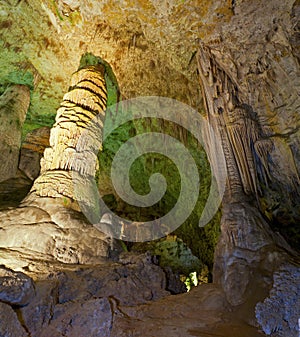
49 225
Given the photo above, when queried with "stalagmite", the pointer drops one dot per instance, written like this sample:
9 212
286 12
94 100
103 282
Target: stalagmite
48 224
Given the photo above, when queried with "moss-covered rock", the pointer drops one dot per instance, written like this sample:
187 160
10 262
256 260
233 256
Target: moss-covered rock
172 253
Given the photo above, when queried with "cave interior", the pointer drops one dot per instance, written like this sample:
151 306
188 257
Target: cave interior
219 81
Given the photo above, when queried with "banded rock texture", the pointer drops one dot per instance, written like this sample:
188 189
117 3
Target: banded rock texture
75 138
48 224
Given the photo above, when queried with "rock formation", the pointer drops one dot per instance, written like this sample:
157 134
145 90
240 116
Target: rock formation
48 224
239 101
77 300
14 104
247 240
32 151
244 58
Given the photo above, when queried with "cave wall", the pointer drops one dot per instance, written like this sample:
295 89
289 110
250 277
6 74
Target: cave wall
249 78
257 58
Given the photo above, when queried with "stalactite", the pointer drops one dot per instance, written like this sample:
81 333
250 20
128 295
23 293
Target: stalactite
216 120
236 124
247 148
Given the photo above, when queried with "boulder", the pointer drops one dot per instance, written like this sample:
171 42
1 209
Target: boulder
10 326
37 315
279 313
49 230
82 300
16 288
91 318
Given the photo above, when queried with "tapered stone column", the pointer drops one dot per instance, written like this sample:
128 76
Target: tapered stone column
48 224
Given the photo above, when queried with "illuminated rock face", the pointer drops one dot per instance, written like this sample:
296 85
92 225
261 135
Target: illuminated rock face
74 143
48 224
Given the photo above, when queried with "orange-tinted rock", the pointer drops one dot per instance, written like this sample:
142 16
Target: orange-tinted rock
32 150
13 108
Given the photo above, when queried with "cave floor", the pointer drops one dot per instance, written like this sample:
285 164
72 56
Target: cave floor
203 312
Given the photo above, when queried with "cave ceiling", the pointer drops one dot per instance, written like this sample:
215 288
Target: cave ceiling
150 44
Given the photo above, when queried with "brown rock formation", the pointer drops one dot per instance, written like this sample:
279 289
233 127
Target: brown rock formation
14 104
48 224
32 151
247 240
